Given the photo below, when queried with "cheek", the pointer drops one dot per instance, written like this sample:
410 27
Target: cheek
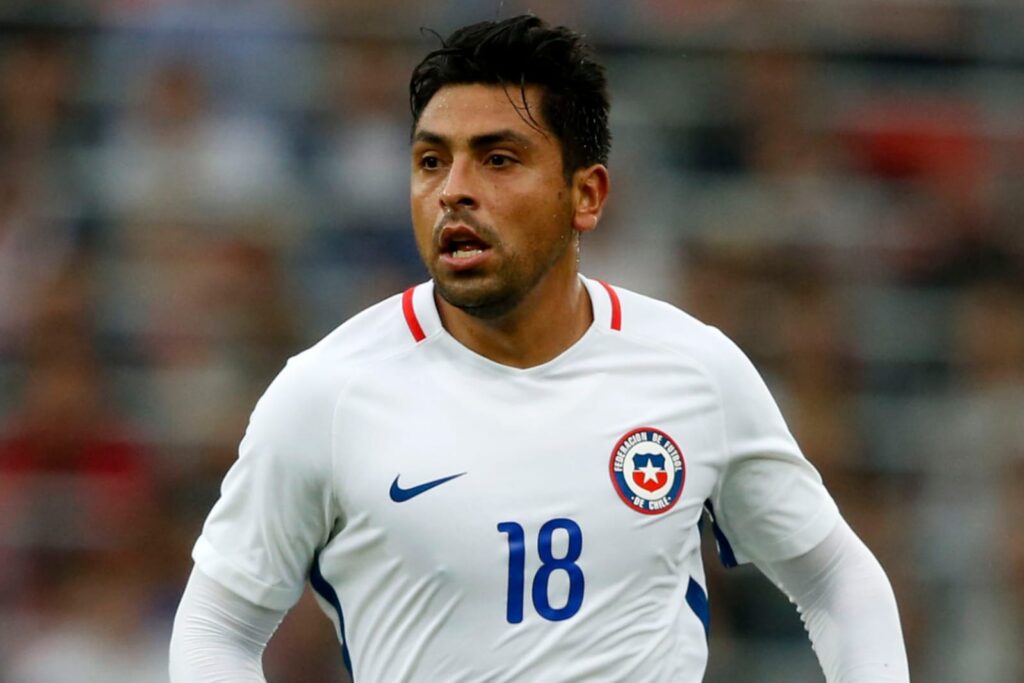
422 220
422 201
418 192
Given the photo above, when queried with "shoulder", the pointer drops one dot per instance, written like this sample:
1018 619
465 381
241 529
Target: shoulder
376 333
657 324
311 380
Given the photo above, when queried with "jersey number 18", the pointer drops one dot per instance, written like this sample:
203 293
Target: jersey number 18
549 565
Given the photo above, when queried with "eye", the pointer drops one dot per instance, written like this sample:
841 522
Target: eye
430 162
499 160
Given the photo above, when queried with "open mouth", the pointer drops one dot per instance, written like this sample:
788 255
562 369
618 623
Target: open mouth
460 243
465 250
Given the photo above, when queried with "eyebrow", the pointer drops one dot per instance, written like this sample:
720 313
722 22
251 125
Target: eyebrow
476 142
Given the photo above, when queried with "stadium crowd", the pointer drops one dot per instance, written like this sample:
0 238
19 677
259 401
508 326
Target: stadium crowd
191 191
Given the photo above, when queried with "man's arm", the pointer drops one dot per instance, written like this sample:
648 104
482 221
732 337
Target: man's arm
219 635
277 508
848 608
771 507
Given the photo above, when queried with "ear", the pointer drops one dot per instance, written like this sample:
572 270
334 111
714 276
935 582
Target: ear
590 190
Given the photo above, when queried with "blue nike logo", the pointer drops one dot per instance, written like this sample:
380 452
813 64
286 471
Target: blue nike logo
400 495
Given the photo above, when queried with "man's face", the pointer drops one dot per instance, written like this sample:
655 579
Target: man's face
491 209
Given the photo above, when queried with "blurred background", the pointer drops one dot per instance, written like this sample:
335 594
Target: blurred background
192 191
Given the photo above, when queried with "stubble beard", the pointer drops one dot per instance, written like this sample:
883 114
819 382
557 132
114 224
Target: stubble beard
490 297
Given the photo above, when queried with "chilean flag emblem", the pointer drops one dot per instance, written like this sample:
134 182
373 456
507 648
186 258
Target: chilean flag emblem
649 471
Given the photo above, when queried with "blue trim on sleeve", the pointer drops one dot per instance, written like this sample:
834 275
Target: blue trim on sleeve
327 592
725 551
697 599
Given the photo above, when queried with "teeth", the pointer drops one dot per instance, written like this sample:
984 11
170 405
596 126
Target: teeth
468 253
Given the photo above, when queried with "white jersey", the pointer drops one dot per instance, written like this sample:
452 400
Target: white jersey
462 520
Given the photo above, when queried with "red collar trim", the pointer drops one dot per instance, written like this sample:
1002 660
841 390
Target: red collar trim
616 306
410 316
417 330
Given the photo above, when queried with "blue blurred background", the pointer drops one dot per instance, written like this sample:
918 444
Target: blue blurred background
192 191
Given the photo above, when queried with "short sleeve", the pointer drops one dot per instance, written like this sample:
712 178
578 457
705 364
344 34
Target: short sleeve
276 506
769 503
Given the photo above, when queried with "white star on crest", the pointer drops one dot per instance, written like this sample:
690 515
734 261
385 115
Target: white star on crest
650 471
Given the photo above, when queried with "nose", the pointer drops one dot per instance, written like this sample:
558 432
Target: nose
459 189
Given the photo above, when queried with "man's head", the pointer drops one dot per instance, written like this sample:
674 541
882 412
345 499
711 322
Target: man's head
510 140
522 51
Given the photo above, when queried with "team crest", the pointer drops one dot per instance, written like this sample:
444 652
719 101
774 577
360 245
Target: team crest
648 471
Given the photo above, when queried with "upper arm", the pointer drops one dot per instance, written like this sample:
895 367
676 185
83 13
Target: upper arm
276 506
769 501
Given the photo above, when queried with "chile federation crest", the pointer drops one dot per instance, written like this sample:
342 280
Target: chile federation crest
648 471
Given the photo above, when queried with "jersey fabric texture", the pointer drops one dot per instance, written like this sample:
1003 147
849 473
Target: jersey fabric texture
461 520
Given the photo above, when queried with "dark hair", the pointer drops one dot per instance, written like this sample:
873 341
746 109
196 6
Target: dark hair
523 51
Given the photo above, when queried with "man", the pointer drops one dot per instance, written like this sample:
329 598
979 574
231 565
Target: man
499 474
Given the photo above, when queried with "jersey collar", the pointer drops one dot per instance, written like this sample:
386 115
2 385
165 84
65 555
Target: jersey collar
424 321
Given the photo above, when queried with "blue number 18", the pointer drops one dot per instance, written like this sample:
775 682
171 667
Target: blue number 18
549 564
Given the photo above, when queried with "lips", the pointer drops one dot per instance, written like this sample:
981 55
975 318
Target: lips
460 238
461 247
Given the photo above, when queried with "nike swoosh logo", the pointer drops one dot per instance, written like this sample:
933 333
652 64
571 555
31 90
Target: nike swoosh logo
400 495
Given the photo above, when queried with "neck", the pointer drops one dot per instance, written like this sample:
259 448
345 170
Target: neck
552 317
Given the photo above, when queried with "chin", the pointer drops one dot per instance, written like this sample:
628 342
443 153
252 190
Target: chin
479 301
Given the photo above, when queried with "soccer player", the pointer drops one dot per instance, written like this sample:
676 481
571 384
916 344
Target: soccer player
499 474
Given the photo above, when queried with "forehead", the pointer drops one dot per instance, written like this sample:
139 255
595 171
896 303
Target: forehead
459 111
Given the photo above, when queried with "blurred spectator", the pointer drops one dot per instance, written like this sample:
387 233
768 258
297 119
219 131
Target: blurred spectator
73 476
250 53
174 155
363 248
1012 511
205 208
34 248
973 446
816 379
104 632
213 317
80 563
362 163
37 78
39 206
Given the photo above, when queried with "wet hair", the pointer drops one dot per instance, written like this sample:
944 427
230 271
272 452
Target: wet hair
519 52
